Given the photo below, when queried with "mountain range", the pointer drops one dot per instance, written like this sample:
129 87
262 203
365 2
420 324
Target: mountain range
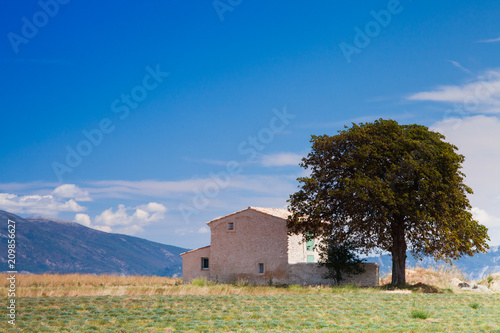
45 245
48 245
474 268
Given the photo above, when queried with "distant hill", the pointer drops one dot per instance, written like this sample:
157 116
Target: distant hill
476 267
51 245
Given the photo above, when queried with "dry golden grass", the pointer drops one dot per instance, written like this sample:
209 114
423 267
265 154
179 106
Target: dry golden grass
441 277
85 284
68 280
32 285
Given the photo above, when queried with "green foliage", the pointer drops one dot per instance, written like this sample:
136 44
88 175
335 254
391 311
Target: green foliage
490 279
201 282
387 186
474 305
296 287
420 314
340 260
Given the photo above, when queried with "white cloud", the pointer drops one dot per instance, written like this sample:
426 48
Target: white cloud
281 159
125 220
480 96
491 222
154 207
45 201
102 228
484 218
71 191
478 140
203 230
149 188
459 66
188 188
126 216
493 40
17 187
193 200
83 219
38 204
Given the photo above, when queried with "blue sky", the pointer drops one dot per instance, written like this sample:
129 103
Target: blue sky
153 118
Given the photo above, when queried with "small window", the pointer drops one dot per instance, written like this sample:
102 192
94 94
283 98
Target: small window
261 268
310 242
310 258
204 263
230 226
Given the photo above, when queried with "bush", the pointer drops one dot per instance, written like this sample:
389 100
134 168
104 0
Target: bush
295 287
474 305
340 260
420 314
201 282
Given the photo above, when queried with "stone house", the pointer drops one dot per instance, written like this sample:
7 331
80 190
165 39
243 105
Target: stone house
253 245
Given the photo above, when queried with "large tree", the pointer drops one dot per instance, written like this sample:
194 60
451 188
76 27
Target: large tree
388 187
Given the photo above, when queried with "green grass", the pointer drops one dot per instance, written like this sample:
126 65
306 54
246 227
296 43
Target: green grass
474 305
201 282
420 314
355 311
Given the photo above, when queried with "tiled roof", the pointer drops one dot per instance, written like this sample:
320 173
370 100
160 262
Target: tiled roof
278 212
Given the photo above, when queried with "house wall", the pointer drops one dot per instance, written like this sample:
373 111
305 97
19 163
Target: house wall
311 273
256 238
261 238
191 264
297 250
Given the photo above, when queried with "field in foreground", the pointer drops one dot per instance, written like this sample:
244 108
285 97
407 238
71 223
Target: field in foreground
88 303
304 312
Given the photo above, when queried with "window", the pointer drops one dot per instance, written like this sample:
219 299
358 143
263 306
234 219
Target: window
261 268
204 263
310 258
310 242
230 226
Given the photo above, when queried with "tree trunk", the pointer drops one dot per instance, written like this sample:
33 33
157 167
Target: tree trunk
398 253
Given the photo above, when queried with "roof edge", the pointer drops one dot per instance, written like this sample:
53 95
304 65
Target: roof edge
221 217
200 248
261 210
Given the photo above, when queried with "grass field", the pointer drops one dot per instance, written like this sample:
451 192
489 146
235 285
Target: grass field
168 306
305 312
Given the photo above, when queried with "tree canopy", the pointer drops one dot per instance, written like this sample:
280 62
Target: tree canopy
389 187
